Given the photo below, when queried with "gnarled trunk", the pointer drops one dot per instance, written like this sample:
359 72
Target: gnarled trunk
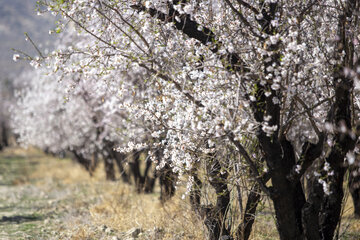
213 215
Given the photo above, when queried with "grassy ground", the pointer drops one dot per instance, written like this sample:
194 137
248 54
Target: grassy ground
48 198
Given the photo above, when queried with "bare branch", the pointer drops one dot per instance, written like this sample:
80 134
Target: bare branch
247 5
28 57
310 116
120 29
88 31
243 19
254 171
129 24
32 43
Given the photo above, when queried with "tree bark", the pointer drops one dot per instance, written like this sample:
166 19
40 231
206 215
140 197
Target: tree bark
244 229
109 168
213 215
86 163
167 182
118 157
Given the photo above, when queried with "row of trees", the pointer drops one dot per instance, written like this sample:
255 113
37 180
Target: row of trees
215 91
85 119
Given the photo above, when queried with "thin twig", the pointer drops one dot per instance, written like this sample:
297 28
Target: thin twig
34 45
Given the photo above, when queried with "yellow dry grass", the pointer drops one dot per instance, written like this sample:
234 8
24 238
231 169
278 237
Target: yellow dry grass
121 208
124 209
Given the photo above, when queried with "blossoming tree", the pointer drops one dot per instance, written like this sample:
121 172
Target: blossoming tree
266 89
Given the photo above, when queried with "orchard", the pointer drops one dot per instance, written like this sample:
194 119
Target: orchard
257 99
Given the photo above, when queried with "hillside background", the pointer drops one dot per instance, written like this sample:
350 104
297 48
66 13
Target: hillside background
16 18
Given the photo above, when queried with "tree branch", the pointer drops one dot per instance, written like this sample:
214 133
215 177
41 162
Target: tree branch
254 171
129 24
245 4
184 23
310 152
34 45
243 19
120 29
310 116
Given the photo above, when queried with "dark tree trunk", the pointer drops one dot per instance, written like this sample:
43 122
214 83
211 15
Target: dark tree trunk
109 168
86 163
4 137
244 229
120 159
297 219
311 209
288 201
327 203
135 169
143 183
167 178
331 206
167 182
288 196
213 216
149 182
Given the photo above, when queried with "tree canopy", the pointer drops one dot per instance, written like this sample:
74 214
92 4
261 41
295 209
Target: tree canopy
266 90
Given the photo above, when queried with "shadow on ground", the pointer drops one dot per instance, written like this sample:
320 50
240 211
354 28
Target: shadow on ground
20 219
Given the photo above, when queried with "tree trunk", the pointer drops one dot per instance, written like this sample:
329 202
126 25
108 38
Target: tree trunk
311 209
4 141
109 168
244 229
149 182
120 159
287 195
167 182
80 159
143 183
213 216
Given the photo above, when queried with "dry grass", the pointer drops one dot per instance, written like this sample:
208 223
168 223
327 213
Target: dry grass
120 208
124 209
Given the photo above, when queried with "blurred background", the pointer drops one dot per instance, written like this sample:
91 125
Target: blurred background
18 17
